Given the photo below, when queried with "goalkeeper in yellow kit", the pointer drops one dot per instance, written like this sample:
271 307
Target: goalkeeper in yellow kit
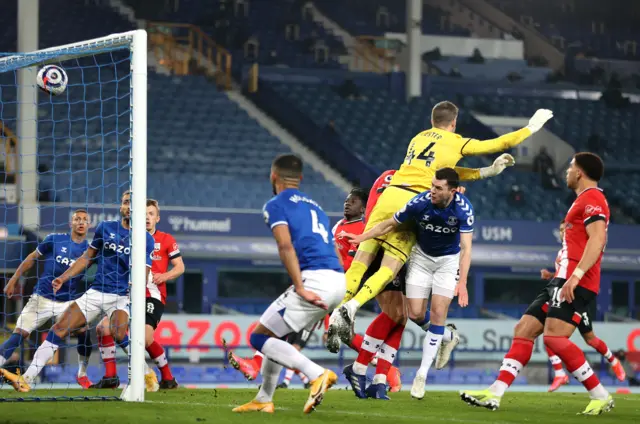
430 150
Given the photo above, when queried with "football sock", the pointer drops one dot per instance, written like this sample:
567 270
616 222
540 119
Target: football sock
556 363
270 374
42 356
303 377
9 346
257 359
430 346
354 277
285 354
577 365
288 374
388 352
107 348
374 285
374 337
156 352
602 348
84 349
356 342
517 358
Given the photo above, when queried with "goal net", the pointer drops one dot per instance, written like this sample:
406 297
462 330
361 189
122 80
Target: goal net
78 150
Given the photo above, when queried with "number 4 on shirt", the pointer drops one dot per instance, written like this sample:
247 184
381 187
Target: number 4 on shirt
318 228
428 158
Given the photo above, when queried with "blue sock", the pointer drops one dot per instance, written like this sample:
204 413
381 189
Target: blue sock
85 346
425 322
53 338
10 345
124 343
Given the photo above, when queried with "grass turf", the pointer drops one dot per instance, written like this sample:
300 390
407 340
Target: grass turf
339 406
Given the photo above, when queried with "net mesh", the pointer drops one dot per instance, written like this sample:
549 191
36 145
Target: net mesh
82 160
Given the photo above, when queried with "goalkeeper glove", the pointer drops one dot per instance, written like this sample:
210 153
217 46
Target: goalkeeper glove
499 165
538 120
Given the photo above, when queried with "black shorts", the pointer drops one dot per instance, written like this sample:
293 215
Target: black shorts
548 304
397 284
155 309
300 338
586 325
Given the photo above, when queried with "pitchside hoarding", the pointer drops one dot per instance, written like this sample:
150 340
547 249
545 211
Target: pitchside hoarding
482 338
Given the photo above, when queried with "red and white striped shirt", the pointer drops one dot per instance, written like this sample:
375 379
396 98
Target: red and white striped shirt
165 249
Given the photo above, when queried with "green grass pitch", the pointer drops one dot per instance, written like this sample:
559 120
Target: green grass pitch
339 406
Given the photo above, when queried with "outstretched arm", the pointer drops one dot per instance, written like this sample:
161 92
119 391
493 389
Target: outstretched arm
499 165
507 141
381 229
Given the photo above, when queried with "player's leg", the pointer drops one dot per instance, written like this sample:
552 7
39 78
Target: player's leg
35 313
560 378
561 322
84 348
586 330
155 309
72 319
107 348
248 367
530 326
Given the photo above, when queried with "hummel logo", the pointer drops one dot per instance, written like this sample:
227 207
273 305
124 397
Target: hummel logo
112 235
64 250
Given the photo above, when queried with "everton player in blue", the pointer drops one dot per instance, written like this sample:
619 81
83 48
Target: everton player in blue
58 252
110 249
306 247
439 262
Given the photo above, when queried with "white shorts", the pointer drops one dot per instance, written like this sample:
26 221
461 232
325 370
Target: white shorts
431 273
38 311
95 303
290 313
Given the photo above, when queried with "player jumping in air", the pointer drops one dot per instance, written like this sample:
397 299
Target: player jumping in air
559 308
439 147
110 249
165 251
306 247
59 252
439 262
586 331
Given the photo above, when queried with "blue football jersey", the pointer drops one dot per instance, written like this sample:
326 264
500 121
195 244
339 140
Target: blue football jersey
59 252
438 229
111 240
309 227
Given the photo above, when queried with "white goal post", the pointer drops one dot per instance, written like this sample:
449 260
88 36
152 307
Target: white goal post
136 43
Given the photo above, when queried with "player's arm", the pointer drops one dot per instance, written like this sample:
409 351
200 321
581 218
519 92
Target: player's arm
597 233
26 265
466 238
499 165
177 269
379 230
290 261
78 267
507 141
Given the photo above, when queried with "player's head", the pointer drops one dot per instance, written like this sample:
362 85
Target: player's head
125 205
286 172
563 226
153 215
444 115
444 186
585 167
355 203
79 222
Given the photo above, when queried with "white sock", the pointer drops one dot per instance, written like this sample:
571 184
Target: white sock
285 354
583 373
359 369
447 336
430 347
270 374
43 355
498 388
374 361
511 366
288 374
2 360
555 360
303 378
379 379
609 356
352 306
83 362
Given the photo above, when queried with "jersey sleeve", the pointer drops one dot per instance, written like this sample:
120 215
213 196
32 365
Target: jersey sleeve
594 208
468 174
150 247
173 251
46 246
412 209
465 214
98 237
274 214
478 147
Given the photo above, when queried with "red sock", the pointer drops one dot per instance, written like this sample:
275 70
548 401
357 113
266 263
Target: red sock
108 353
389 350
556 363
157 354
375 335
515 360
356 342
602 348
576 363
257 359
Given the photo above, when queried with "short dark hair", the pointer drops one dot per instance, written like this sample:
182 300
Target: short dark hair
449 174
360 193
590 164
443 114
80 211
288 166
125 193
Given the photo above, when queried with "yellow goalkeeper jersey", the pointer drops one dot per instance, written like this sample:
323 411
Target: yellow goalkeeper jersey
435 148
